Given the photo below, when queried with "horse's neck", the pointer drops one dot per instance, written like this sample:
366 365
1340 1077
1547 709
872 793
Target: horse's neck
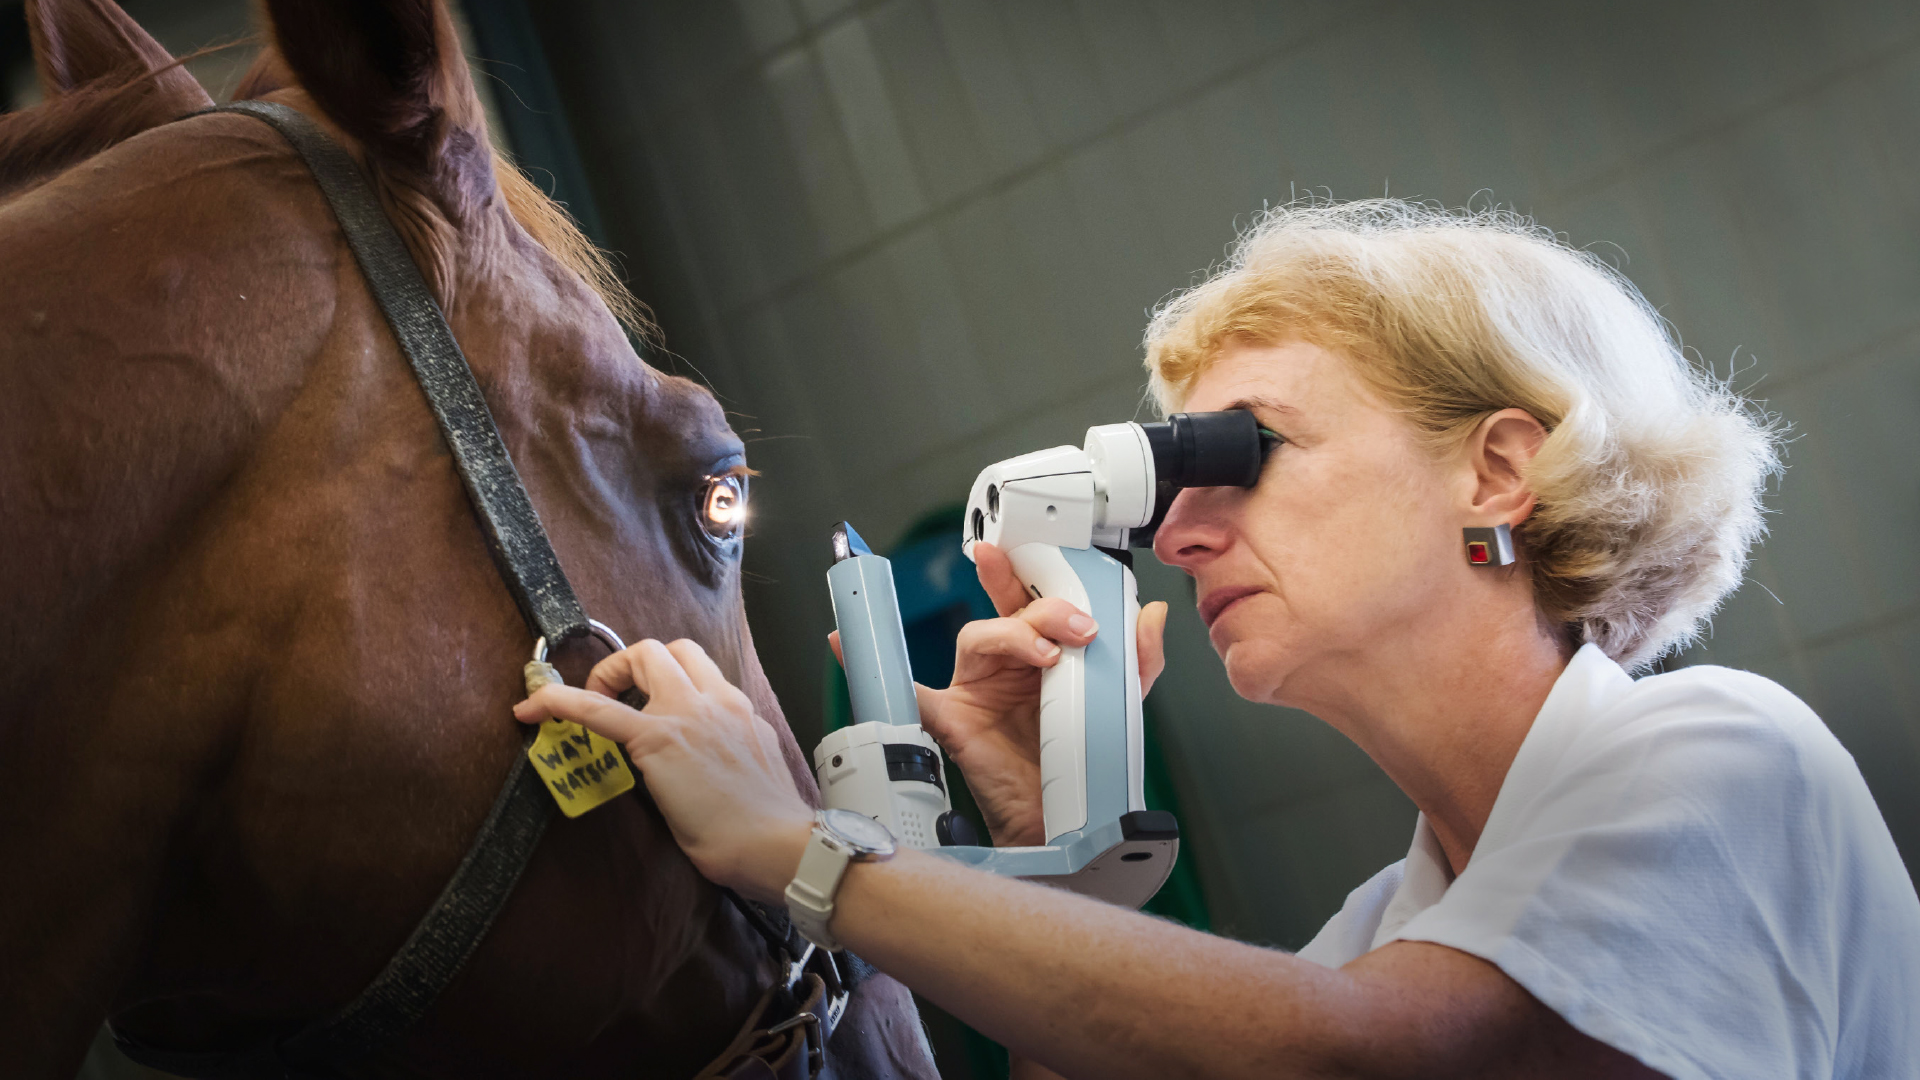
161 307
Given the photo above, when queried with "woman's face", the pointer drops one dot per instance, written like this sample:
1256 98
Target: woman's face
1350 541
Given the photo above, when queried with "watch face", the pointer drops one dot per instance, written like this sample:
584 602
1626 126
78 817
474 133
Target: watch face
861 832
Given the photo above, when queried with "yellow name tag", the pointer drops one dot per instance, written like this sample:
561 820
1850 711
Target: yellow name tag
581 769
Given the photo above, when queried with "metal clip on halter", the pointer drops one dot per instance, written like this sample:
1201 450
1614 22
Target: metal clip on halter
539 673
838 992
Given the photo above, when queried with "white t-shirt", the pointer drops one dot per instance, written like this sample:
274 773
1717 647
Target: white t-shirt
1688 868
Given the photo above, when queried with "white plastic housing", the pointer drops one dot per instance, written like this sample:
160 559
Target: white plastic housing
1044 497
1068 497
851 765
1063 700
1030 507
1123 481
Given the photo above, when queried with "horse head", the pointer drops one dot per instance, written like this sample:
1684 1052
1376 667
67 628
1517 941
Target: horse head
259 663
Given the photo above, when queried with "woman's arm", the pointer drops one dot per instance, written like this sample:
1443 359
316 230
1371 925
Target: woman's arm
1082 987
1090 989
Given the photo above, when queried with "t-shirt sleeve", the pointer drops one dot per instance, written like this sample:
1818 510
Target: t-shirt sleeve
1702 882
1350 932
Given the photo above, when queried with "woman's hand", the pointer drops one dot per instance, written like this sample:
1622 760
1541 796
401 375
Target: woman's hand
713 767
988 720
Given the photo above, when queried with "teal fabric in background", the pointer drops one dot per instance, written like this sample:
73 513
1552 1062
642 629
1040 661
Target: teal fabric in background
939 593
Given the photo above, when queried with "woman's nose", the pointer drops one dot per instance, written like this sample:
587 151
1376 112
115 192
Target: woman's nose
1195 530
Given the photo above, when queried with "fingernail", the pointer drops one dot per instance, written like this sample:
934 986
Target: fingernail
1081 624
1048 649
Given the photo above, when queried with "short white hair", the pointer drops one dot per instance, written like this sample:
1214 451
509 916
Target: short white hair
1650 479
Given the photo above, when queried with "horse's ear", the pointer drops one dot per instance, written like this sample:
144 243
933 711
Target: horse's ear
391 73
76 42
266 74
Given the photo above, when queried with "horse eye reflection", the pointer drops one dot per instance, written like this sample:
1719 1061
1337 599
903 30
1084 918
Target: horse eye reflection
724 509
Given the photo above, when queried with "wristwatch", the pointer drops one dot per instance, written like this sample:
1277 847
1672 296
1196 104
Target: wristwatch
839 837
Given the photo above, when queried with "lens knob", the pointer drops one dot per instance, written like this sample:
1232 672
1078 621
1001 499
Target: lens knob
954 830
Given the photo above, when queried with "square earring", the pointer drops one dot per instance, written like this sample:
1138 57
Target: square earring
1490 547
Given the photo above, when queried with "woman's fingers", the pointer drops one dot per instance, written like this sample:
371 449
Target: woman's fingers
657 672
1062 622
653 667
833 642
1033 637
1053 617
591 710
996 576
613 674
1015 639
701 671
1151 633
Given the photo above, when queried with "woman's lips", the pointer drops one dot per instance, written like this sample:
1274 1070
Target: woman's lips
1219 600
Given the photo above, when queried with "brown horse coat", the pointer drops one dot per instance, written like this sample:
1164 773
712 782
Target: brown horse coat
258 664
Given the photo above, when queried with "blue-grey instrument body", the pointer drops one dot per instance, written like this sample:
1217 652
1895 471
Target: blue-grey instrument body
1120 855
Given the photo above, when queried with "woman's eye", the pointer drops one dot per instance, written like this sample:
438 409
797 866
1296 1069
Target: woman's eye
723 507
1270 441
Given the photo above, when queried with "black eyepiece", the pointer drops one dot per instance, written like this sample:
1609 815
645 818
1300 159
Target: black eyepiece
1210 449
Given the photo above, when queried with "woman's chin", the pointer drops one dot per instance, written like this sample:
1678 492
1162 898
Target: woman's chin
1251 669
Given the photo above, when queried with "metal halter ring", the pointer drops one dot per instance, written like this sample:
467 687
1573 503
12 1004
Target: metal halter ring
595 627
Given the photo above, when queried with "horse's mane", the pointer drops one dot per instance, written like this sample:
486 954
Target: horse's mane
40 142
553 228
434 238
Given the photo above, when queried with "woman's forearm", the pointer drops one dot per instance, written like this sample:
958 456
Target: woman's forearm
1083 987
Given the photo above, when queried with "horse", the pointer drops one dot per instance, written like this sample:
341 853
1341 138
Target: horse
258 664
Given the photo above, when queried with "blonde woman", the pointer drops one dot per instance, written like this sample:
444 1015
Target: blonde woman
1681 874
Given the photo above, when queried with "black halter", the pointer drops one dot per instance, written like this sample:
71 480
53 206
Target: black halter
460 917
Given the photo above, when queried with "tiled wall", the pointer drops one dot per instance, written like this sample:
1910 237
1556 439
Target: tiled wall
904 239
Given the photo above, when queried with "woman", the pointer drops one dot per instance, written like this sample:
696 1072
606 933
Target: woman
1683 874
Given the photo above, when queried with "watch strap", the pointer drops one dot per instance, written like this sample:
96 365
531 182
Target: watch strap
810 894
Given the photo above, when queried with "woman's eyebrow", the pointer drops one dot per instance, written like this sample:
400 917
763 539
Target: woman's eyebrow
1263 403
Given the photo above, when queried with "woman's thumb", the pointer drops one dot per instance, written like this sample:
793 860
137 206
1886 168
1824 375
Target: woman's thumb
1151 632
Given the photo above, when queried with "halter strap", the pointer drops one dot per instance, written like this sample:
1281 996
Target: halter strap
515 537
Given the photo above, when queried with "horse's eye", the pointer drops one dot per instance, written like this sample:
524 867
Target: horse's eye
723 507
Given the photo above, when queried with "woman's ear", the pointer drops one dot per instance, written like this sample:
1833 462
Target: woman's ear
1499 451
391 73
78 41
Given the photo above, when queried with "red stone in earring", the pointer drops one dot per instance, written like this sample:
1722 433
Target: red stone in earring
1490 547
